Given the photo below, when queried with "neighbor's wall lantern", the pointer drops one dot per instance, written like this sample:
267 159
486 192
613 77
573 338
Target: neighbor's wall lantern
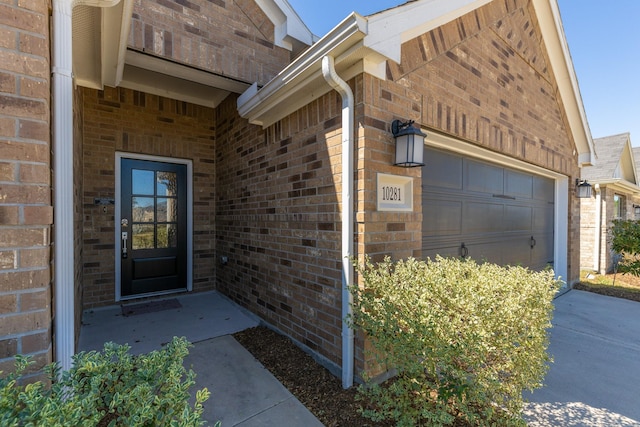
583 189
636 210
409 144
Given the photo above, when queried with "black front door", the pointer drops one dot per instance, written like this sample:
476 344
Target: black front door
153 246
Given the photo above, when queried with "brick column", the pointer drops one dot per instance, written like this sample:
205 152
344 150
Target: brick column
25 183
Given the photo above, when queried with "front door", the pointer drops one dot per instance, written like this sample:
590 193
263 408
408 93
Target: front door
153 227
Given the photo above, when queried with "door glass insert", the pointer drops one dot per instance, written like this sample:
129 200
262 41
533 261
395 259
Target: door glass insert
143 236
167 235
166 184
154 206
142 182
143 209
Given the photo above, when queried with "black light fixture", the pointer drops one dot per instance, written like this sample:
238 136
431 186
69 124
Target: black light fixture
636 210
409 144
583 189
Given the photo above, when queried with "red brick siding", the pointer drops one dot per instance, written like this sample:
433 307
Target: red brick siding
136 122
26 213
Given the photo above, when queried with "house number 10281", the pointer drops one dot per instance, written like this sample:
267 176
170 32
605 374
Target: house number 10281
392 194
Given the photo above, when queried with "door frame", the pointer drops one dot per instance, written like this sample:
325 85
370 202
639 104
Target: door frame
117 217
561 196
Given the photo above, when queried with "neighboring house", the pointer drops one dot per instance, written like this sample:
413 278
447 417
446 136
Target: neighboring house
614 182
214 144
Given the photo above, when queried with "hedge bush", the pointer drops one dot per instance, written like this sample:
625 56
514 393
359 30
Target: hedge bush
108 388
464 338
625 241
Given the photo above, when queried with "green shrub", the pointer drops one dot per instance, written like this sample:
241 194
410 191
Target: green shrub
464 338
625 240
108 388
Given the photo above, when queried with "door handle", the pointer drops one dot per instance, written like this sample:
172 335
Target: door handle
532 242
464 251
125 236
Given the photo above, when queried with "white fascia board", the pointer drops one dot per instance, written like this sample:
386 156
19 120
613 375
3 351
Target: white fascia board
619 184
554 38
116 23
287 23
305 72
392 27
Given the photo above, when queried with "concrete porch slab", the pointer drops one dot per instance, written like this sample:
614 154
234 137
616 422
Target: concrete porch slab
243 392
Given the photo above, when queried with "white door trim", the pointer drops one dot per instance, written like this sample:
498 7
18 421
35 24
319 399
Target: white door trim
561 206
117 216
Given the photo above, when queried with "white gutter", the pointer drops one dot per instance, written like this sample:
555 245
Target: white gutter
330 75
597 228
63 158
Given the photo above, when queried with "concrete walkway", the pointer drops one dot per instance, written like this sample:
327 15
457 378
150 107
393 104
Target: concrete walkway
595 377
594 381
243 392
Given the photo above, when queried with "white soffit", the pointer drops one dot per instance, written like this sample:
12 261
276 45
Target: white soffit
159 76
99 40
87 33
390 28
290 31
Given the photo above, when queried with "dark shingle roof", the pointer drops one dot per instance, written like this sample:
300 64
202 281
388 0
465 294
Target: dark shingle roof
609 151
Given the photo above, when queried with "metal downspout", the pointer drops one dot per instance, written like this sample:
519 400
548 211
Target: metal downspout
598 230
330 75
63 183
62 116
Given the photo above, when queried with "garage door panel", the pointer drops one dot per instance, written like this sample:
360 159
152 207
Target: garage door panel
483 178
517 184
540 254
518 218
543 189
482 218
516 251
442 217
445 251
496 212
543 218
442 170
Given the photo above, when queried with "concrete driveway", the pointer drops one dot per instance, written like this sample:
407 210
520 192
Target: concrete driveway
595 377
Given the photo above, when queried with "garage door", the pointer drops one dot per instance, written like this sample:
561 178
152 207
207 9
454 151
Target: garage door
486 211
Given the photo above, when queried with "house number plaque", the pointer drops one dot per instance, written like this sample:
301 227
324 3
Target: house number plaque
395 193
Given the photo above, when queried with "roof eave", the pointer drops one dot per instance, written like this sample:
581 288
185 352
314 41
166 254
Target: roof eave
264 106
617 184
562 67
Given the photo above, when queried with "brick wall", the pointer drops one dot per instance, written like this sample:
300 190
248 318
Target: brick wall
278 219
484 78
233 38
131 121
26 214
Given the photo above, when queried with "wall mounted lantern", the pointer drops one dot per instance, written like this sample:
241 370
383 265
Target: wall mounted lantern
583 189
636 210
409 144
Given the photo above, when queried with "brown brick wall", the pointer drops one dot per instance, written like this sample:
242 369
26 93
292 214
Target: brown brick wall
233 38
131 121
278 220
484 78
26 213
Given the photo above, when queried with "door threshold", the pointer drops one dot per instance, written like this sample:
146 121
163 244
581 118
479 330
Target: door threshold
152 294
